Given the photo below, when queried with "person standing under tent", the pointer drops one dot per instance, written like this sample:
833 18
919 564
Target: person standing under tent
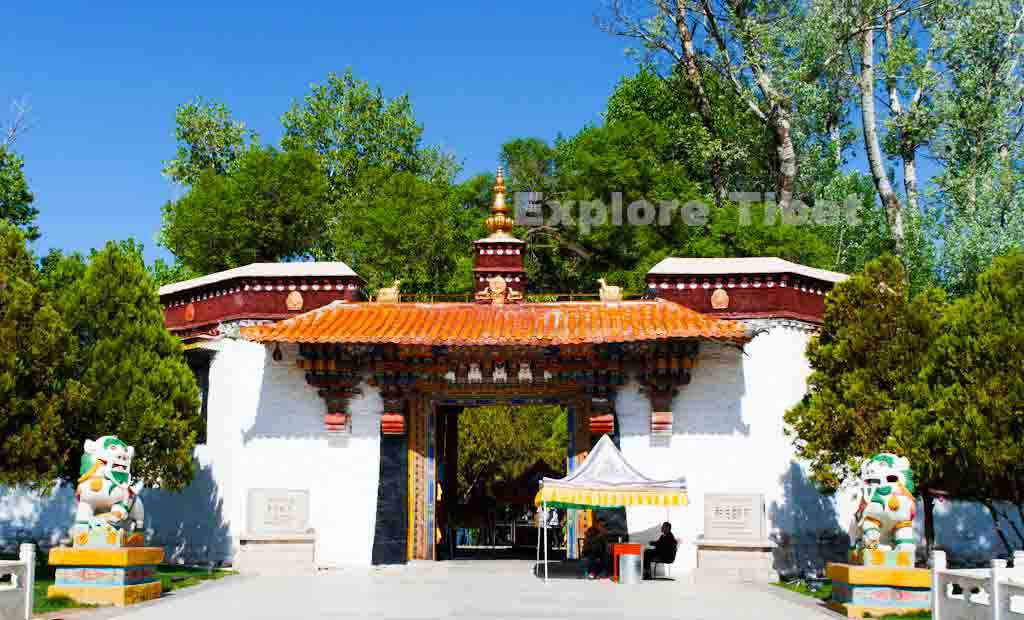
596 559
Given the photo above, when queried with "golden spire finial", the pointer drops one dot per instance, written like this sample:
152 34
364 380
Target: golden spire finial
499 223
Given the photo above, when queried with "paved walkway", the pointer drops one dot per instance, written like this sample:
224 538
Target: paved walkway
470 589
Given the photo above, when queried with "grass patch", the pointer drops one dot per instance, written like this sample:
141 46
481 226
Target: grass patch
42 604
823 592
171 578
178 577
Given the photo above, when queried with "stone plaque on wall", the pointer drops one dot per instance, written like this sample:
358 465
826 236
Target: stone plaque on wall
277 511
734 517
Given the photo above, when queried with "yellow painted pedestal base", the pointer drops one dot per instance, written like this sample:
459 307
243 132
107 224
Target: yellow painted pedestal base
108 595
864 611
859 591
114 576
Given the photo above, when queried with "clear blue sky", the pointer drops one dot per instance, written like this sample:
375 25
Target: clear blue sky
103 82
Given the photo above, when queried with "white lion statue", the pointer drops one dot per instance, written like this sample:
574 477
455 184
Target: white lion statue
885 516
108 500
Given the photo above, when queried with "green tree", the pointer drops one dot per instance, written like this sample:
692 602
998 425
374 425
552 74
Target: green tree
865 371
893 63
270 206
410 228
968 436
208 139
353 127
35 391
976 197
138 384
749 45
16 201
856 243
498 443
59 272
163 272
631 160
529 165
742 146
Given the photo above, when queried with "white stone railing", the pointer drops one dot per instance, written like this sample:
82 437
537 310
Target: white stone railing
995 593
16 595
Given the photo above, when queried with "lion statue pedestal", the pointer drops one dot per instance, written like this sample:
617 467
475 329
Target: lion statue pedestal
880 577
107 564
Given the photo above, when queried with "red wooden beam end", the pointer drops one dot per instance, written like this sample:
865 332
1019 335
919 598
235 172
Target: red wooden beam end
602 424
661 423
392 424
338 423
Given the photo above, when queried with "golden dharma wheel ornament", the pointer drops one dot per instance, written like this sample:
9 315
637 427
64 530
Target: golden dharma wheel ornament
294 301
720 299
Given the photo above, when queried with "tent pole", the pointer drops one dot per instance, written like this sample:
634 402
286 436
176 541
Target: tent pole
537 565
545 522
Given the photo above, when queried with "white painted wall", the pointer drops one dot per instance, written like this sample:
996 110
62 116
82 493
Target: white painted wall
728 438
265 430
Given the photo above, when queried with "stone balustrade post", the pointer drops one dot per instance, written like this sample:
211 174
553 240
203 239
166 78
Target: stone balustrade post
27 554
995 591
938 592
1018 559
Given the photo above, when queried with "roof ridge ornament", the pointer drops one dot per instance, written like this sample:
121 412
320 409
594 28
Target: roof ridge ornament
609 293
500 222
498 293
389 295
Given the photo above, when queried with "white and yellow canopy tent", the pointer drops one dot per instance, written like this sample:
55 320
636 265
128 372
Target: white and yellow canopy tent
605 480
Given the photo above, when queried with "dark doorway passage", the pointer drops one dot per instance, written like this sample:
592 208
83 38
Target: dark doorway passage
489 463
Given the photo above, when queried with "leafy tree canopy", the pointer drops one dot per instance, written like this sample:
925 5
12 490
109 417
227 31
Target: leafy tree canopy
270 206
163 272
633 159
353 127
36 394
413 229
970 432
208 139
740 143
865 364
498 443
132 370
16 201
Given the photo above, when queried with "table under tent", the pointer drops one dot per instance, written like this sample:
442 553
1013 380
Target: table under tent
606 480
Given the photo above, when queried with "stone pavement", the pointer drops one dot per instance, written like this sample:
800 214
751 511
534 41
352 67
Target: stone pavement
468 589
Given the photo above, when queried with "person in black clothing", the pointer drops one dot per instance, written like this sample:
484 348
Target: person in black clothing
663 551
596 559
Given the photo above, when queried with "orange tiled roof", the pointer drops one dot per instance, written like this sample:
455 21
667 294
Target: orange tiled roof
467 324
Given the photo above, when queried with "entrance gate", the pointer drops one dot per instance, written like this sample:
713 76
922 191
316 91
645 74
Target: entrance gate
501 347
427 522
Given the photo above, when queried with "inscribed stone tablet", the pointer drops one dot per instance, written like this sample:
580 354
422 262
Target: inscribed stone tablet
734 517
272 511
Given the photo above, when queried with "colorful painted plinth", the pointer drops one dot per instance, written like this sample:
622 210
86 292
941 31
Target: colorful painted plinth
877 590
106 576
877 557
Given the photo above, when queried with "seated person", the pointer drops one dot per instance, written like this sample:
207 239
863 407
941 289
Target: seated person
596 558
663 551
